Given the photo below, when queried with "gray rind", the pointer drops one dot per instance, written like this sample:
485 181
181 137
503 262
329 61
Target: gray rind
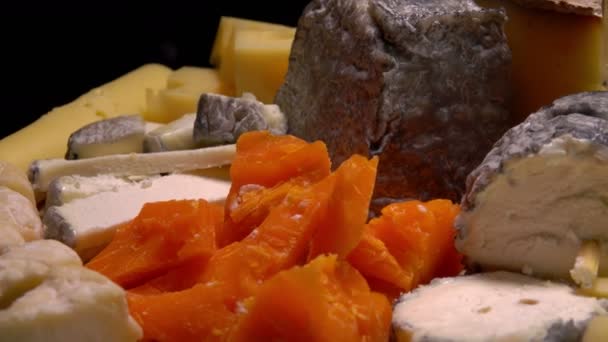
421 83
57 228
582 115
222 119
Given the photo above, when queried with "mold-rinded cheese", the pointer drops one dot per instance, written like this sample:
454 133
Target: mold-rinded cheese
554 54
43 172
88 224
541 192
18 212
184 88
47 137
44 302
16 179
493 307
122 134
260 62
65 189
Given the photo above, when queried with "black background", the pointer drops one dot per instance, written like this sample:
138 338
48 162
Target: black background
52 52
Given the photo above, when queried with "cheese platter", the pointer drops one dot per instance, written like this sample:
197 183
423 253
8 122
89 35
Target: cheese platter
384 170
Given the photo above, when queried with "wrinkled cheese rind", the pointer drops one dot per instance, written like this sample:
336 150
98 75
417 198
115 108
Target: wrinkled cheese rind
88 224
122 134
495 306
42 172
18 212
15 179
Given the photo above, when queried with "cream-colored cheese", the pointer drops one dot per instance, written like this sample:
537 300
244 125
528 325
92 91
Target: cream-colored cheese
16 179
495 306
18 212
50 252
88 224
539 209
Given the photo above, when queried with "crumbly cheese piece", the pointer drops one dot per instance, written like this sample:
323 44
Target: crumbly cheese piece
19 212
42 172
47 137
586 264
495 306
88 224
41 302
68 188
15 179
122 134
176 135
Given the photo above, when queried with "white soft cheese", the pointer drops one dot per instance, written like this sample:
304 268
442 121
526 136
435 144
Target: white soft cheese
40 302
88 224
68 188
536 213
18 212
496 306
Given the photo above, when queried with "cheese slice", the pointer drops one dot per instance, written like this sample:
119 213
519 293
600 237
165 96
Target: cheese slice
47 136
88 224
43 172
18 212
554 54
494 306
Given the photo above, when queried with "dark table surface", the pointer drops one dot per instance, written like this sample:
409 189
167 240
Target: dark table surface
54 52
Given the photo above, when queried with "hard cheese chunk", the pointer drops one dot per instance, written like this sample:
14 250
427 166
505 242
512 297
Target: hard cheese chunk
260 62
47 137
47 295
554 54
184 87
88 224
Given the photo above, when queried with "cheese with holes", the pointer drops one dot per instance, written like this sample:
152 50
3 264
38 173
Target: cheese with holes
47 137
55 298
554 54
492 307
184 88
88 224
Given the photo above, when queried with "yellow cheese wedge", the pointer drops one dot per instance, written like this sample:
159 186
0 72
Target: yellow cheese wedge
554 54
223 37
47 137
184 88
260 62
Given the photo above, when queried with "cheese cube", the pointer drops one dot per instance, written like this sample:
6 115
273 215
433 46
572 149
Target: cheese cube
184 88
223 38
260 62
554 54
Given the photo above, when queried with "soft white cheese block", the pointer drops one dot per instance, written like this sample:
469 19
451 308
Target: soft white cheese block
537 212
18 212
43 172
68 188
88 224
495 306
61 303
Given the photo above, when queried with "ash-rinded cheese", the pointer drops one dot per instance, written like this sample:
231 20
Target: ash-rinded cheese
422 84
88 224
18 212
119 135
492 307
43 172
68 188
59 300
541 192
